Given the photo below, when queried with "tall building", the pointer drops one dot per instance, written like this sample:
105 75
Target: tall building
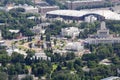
45 9
103 32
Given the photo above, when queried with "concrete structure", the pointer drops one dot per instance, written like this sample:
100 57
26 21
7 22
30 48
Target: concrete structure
102 36
21 76
74 46
82 3
14 31
112 78
45 9
40 3
41 56
70 31
40 28
80 15
116 9
90 18
12 49
103 32
0 35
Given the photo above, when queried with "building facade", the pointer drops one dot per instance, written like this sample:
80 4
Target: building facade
45 9
71 31
103 36
82 3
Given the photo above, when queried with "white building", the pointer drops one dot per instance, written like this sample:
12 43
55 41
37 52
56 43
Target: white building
112 78
74 46
10 50
41 56
71 31
14 31
90 19
21 76
79 15
40 28
0 35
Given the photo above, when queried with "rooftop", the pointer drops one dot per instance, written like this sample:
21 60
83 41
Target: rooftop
108 14
81 1
111 78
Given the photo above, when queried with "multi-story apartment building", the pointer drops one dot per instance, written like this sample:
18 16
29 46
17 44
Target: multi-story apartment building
76 4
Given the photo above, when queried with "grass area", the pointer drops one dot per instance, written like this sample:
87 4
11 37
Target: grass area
54 66
21 47
64 67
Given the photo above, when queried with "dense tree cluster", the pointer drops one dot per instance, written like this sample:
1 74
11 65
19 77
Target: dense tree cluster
4 2
15 19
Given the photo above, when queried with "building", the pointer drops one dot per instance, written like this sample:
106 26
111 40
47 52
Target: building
40 28
14 31
21 76
12 49
102 36
74 46
41 3
70 31
116 9
45 9
103 32
82 3
112 78
90 18
115 1
100 14
41 56
0 35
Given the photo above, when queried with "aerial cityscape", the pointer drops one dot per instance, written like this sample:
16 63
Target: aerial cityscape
59 39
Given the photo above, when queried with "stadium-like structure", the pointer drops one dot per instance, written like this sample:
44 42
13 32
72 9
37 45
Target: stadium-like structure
80 15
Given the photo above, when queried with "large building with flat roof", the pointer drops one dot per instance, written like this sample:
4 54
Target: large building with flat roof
80 15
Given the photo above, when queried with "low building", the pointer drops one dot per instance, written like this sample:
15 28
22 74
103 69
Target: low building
74 46
112 78
41 56
102 36
70 31
0 35
10 50
40 28
21 76
90 19
61 52
14 31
